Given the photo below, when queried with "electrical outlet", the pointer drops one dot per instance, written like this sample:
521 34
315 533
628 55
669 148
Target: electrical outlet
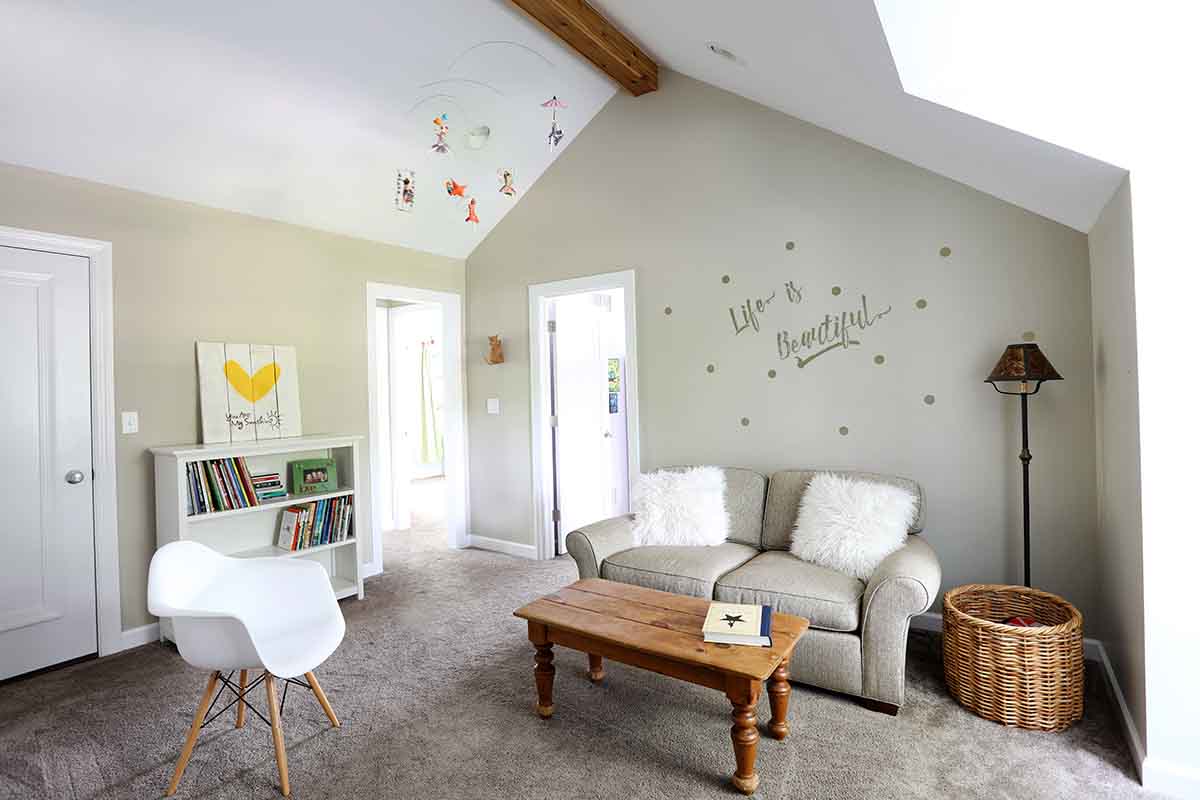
129 422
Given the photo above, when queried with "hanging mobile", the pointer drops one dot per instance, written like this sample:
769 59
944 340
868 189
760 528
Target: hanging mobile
556 133
456 189
471 215
440 145
406 189
506 183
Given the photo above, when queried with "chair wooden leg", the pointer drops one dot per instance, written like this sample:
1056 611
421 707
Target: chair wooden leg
193 734
322 699
241 712
277 736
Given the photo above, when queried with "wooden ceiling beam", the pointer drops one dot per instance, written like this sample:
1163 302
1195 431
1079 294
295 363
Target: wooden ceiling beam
597 40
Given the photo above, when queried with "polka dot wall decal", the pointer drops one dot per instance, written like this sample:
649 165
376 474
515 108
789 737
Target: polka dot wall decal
835 291
844 431
771 373
879 359
790 246
667 311
710 369
922 303
930 399
944 252
745 422
724 279
1029 336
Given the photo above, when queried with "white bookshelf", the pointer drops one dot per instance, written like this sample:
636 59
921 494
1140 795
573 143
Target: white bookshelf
251 532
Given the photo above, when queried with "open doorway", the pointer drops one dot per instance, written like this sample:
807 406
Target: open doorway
584 394
417 455
411 383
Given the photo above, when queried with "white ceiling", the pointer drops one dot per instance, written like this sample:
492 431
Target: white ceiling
828 62
298 110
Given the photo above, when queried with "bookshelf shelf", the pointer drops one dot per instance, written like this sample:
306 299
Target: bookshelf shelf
252 532
269 505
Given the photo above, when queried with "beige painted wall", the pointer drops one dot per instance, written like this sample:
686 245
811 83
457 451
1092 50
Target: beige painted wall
184 272
1120 618
691 183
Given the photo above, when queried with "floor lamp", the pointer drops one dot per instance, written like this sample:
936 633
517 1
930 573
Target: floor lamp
1023 364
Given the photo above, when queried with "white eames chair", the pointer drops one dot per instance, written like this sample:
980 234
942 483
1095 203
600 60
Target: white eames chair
241 614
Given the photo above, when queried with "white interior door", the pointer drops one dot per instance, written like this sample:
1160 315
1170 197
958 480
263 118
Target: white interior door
583 452
47 566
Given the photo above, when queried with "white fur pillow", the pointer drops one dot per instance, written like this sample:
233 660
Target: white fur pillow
680 508
851 525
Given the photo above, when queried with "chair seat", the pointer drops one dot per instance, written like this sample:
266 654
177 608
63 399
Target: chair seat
682 570
829 599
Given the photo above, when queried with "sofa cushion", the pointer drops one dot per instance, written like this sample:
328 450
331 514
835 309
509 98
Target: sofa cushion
828 599
678 569
787 487
745 493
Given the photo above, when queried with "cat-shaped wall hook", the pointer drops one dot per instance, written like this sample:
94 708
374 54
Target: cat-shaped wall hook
495 351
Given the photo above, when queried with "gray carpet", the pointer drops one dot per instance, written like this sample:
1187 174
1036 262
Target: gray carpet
434 687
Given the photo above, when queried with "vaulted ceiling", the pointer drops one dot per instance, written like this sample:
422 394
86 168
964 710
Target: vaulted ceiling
828 62
299 110
304 111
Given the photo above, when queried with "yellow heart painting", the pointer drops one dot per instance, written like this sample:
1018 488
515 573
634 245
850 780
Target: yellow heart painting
256 388
248 392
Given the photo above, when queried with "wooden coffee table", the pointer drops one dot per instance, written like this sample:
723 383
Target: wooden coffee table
661 632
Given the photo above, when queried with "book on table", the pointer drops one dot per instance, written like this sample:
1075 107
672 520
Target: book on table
735 623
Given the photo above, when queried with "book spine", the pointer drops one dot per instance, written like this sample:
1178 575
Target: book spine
218 490
765 623
187 476
350 521
235 499
296 528
244 476
235 481
210 504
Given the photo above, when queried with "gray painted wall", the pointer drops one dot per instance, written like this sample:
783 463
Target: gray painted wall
1120 618
689 184
183 272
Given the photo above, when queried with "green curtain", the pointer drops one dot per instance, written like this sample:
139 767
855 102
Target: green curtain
430 433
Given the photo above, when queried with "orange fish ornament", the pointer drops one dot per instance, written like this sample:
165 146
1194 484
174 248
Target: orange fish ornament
471 215
456 189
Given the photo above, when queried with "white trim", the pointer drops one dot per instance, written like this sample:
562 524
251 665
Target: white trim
1175 779
136 637
539 390
502 546
109 635
454 436
1167 777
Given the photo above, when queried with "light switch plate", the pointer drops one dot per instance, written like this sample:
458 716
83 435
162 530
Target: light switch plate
129 422
493 405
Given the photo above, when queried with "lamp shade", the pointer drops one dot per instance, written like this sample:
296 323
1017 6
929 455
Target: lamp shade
1025 363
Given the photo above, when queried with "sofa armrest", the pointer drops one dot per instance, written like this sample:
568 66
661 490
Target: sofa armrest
591 544
904 585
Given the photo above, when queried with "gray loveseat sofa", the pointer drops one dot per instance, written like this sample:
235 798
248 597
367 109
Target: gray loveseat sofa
858 631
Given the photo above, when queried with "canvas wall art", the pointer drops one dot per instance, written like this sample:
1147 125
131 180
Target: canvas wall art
248 392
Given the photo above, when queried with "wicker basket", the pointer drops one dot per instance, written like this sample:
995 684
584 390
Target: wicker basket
1028 677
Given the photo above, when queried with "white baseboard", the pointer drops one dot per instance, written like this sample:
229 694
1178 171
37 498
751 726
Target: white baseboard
136 637
1174 780
502 546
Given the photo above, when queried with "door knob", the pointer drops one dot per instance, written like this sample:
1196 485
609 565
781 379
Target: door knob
75 476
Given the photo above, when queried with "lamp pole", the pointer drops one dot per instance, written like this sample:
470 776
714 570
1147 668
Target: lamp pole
1026 457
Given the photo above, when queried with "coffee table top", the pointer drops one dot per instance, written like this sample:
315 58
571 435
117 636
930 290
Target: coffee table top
660 624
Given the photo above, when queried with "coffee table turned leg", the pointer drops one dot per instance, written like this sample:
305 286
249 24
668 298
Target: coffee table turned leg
595 668
543 673
745 734
780 692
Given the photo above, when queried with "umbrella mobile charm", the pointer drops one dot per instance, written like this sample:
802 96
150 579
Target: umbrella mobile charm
440 145
556 133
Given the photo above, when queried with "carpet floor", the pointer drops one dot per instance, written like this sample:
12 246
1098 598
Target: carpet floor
434 687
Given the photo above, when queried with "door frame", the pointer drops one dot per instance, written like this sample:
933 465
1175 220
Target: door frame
539 391
454 435
110 636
